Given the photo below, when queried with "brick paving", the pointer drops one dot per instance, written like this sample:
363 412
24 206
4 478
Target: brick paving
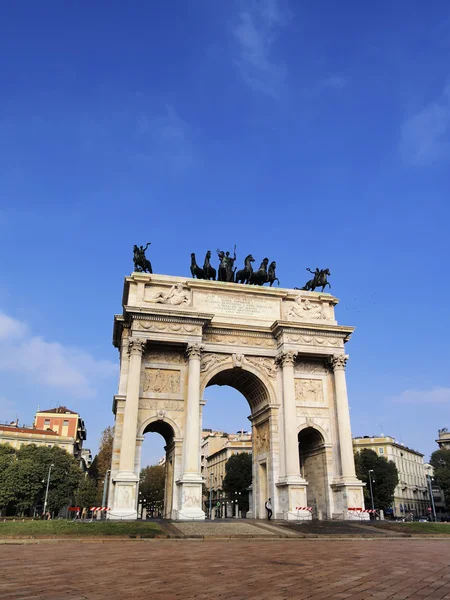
238 528
265 569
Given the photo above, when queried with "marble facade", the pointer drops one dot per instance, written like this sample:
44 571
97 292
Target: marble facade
281 348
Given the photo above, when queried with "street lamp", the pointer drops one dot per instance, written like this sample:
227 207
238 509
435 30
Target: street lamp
371 490
431 496
46 491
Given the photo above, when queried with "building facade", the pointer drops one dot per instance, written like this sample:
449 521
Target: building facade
54 427
411 494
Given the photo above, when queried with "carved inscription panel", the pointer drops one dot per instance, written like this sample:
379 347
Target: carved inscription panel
162 381
237 305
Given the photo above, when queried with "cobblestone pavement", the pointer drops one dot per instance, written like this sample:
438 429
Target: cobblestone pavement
396 569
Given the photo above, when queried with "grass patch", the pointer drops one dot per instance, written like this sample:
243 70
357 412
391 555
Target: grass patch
78 528
415 527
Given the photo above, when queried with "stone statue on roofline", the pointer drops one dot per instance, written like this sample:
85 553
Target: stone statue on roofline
141 263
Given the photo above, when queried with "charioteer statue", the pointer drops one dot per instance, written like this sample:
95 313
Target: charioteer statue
141 263
226 271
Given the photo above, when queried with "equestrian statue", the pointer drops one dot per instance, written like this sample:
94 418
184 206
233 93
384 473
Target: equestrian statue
319 280
141 263
271 274
196 271
209 271
260 277
243 276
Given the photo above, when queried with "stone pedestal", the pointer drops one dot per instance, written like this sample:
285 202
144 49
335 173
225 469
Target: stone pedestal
290 497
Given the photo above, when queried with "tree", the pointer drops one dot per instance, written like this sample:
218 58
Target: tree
238 473
440 461
152 481
104 456
87 493
23 481
385 477
7 459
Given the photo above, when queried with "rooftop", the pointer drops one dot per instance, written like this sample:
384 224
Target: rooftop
59 410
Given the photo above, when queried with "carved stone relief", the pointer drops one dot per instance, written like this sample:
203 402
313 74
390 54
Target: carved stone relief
161 381
312 412
240 340
305 310
211 360
191 498
309 391
262 438
168 327
178 295
161 405
265 364
313 340
303 366
163 357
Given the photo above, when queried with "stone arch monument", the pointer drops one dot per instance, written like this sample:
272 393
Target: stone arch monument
281 348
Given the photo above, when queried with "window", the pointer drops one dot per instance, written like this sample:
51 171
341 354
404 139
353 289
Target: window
381 450
47 423
66 423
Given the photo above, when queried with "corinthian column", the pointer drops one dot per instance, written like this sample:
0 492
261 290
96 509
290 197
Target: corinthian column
292 462
192 428
338 362
128 448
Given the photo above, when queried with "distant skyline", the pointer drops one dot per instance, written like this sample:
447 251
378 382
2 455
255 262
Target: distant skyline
317 134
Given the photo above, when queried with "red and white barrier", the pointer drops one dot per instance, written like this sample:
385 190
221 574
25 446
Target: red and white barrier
363 510
304 508
99 508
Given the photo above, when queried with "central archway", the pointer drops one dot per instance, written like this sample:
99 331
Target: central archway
258 396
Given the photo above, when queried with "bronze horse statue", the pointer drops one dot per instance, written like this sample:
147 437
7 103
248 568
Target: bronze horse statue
260 277
141 263
319 280
244 275
209 271
195 269
271 274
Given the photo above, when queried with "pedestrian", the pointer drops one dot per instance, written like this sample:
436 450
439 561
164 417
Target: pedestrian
269 509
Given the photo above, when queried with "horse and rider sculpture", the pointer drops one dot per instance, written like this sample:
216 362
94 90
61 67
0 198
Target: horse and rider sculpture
227 272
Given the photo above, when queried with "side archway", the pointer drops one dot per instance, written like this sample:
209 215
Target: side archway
313 467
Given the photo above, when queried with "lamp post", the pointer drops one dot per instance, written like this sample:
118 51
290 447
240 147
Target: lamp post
371 490
211 476
46 491
431 496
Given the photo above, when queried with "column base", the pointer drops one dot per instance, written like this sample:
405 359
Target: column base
291 496
124 503
349 494
190 498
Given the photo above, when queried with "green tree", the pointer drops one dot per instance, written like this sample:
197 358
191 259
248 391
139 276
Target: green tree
440 461
152 481
238 473
384 477
87 494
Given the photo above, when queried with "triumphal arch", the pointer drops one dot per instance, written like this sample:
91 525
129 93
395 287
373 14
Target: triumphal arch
281 348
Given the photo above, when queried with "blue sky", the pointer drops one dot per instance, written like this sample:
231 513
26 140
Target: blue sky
316 133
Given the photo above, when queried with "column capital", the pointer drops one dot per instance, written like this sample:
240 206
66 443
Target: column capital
136 346
338 361
194 351
286 358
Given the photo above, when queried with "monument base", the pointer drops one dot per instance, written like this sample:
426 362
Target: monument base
190 498
348 497
292 501
125 497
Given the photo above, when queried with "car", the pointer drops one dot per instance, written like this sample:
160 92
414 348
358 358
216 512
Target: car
423 519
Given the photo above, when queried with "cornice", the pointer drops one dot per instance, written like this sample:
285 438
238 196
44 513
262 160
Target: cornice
340 331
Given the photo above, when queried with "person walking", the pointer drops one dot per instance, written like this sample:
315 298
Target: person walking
269 509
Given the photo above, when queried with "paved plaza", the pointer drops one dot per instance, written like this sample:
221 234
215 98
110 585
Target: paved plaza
235 569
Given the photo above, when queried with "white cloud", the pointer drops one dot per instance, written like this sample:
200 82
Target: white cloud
425 137
258 27
49 363
424 397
